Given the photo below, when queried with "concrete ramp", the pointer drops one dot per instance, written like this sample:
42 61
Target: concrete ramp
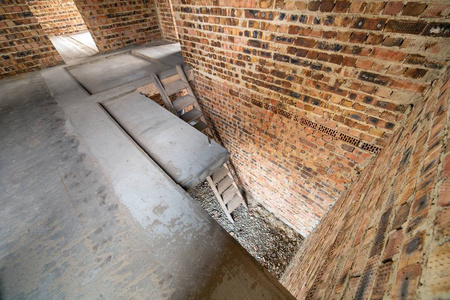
179 149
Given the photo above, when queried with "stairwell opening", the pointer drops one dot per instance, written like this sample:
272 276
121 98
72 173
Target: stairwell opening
269 240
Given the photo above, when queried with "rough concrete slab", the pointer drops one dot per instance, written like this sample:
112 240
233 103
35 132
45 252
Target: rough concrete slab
10 88
71 50
85 38
178 148
168 54
113 71
86 215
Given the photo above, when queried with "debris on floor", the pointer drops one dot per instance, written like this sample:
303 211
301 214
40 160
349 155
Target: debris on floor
265 237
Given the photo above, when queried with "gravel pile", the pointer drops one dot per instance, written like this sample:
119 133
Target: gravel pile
265 237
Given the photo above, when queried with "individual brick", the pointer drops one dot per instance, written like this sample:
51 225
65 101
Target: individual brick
442 224
436 10
444 191
341 6
437 30
414 9
374 78
393 246
381 283
401 216
410 27
392 42
406 282
446 166
393 7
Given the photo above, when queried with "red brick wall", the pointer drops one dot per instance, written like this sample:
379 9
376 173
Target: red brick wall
57 17
166 20
389 235
115 24
305 93
24 46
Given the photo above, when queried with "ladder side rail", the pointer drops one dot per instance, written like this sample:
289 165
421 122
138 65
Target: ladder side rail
219 198
164 95
196 104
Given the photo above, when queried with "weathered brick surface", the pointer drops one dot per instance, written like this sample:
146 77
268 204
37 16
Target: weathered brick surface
57 17
166 20
392 244
24 46
305 93
115 24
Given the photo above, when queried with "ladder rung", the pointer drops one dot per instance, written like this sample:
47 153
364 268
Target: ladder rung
229 194
234 203
174 87
200 126
191 115
218 175
224 184
183 102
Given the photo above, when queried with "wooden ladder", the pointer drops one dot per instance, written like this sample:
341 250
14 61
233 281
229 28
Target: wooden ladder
226 191
180 106
221 181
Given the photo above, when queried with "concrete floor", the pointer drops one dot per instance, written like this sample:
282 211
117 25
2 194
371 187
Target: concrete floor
87 215
74 47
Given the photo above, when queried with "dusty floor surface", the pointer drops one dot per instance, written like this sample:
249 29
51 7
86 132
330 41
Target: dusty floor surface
264 236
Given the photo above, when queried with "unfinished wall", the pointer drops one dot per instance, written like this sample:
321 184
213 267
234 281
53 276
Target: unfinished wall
389 235
24 46
305 93
166 20
57 17
115 24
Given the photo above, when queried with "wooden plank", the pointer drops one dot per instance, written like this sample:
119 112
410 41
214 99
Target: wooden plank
183 102
218 175
175 87
229 194
151 89
185 80
224 184
201 126
219 198
191 115
234 203
164 95
196 104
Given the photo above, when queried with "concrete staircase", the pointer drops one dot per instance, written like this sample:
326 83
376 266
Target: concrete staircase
187 108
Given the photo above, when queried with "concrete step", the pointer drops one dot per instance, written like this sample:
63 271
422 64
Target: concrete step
191 115
183 102
174 87
234 203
